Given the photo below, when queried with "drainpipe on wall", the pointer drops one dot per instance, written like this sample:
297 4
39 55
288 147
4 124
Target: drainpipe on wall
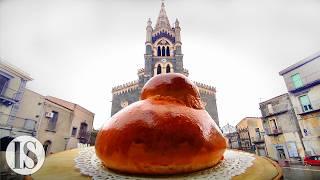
42 113
70 129
249 138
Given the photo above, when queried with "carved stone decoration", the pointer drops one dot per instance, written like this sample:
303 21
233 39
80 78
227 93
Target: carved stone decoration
124 104
204 103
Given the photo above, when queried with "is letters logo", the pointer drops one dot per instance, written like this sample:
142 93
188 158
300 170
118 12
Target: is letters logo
25 155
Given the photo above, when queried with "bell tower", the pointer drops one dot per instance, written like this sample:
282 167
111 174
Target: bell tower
163 47
163 55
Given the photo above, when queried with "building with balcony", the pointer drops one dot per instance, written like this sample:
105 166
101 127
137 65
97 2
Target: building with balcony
251 135
56 123
60 124
245 143
230 132
233 140
282 133
12 86
303 83
274 131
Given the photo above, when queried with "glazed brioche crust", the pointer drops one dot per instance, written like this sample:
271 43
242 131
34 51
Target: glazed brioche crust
167 132
160 137
173 86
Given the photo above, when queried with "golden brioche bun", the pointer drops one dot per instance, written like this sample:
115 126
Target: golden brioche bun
166 132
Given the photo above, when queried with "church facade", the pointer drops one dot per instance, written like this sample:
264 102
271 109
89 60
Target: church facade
163 55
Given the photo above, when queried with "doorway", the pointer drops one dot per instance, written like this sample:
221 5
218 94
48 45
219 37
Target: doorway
281 153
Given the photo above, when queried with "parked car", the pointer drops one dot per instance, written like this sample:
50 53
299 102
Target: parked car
312 160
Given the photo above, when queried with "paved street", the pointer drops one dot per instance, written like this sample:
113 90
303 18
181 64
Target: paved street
301 172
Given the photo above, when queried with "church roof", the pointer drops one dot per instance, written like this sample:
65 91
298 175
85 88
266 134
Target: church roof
163 20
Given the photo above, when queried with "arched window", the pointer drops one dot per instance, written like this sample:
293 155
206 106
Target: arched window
168 51
159 51
46 147
163 51
159 69
168 69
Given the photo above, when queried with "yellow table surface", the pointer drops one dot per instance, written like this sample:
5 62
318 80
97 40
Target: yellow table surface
62 166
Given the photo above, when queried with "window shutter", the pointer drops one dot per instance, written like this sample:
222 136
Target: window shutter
296 79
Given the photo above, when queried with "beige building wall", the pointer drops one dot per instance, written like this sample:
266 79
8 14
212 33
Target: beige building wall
57 136
269 147
284 140
31 107
251 123
35 106
294 138
309 123
79 115
314 126
283 136
24 112
303 79
312 140
256 137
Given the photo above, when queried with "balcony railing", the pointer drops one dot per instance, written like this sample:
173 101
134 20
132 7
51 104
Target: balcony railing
13 94
273 131
18 124
6 101
277 109
258 139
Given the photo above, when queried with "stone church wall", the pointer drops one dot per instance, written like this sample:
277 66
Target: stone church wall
133 96
130 96
211 105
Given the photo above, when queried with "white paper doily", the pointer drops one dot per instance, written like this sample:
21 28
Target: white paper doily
234 163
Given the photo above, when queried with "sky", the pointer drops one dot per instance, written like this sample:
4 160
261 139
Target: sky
77 50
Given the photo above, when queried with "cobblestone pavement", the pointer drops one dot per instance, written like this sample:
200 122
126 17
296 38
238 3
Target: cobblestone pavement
300 172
